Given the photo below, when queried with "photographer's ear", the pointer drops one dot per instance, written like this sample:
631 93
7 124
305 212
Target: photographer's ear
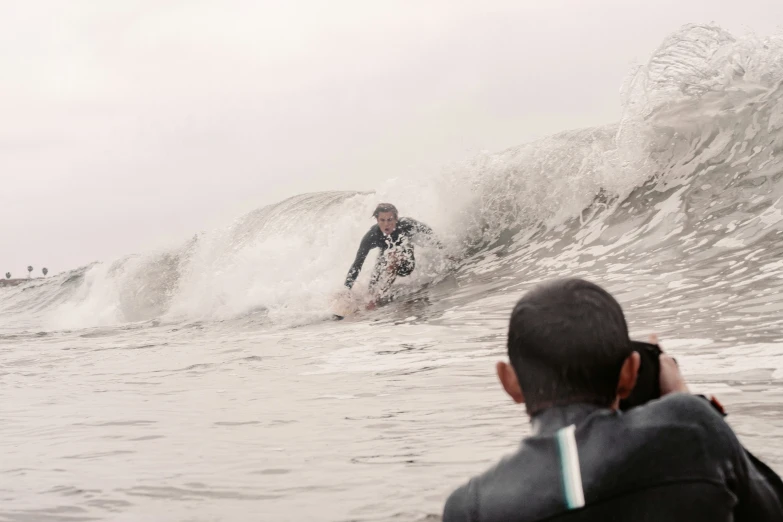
628 374
508 378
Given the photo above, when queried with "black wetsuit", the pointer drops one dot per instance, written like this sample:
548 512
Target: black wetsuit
672 460
400 238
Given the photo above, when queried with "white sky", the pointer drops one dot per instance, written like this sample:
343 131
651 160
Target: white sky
130 124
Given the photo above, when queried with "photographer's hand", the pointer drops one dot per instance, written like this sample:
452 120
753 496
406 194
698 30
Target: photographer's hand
670 378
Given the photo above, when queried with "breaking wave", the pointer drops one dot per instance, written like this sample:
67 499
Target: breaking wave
692 171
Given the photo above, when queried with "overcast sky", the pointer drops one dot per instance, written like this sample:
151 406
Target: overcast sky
126 125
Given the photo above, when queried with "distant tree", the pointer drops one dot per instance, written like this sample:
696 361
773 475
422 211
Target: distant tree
8 275
29 271
45 271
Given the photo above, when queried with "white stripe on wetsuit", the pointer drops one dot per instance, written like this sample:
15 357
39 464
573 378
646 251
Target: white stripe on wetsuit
569 467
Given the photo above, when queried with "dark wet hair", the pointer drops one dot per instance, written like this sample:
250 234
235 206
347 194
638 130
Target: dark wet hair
567 341
385 207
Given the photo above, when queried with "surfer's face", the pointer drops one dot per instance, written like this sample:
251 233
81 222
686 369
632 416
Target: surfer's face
387 221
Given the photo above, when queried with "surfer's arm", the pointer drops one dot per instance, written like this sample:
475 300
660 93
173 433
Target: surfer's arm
365 246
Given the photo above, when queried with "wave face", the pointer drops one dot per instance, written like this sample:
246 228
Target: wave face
689 182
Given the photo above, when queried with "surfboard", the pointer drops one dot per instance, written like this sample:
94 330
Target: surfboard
348 304
345 306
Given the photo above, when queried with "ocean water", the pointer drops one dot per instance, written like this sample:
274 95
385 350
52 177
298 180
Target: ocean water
207 383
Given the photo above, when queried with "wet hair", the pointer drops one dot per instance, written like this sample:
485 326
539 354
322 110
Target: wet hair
567 341
385 207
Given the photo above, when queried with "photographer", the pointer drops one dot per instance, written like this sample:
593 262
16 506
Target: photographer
669 456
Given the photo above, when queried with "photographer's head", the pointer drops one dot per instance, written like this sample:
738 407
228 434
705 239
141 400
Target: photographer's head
568 343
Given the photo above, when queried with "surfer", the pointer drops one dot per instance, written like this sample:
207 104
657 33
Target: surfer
394 236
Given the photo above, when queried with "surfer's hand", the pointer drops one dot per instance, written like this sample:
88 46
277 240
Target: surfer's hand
371 305
392 259
343 296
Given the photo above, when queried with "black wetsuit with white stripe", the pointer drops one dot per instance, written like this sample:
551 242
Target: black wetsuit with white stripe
400 239
674 459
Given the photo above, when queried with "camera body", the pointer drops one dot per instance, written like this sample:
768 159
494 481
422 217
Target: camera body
648 386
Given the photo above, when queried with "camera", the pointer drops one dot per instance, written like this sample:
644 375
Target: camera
648 386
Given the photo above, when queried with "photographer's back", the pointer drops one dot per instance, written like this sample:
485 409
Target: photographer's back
674 459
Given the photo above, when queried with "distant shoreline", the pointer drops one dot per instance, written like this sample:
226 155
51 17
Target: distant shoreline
15 282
